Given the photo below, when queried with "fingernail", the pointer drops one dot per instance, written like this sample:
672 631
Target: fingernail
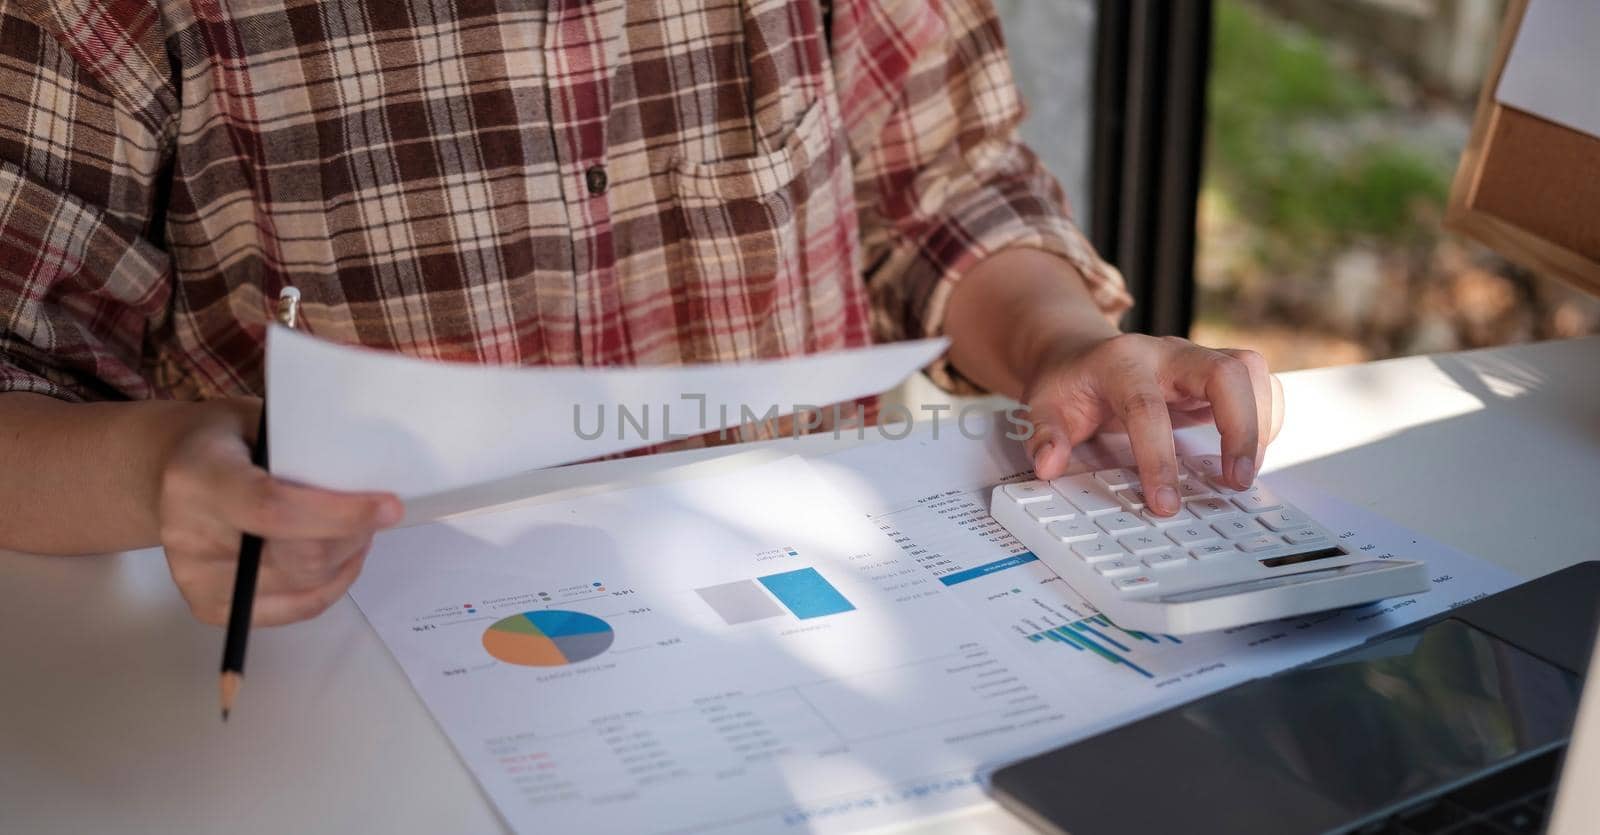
1041 454
1244 471
1166 500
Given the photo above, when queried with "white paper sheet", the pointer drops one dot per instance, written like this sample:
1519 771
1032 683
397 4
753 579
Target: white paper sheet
701 698
1554 63
356 419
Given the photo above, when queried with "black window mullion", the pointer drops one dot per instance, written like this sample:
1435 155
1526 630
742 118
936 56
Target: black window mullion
1152 60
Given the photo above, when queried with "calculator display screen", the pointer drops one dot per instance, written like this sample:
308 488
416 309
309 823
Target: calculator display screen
1400 718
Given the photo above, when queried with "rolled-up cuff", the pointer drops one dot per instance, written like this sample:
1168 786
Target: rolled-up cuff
998 219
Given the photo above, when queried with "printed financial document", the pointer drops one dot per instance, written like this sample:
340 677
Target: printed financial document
733 653
801 647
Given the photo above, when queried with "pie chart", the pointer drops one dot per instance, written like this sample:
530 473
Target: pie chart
547 638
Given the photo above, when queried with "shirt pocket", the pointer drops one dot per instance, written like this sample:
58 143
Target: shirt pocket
769 246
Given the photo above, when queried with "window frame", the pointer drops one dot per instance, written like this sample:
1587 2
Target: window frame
1152 64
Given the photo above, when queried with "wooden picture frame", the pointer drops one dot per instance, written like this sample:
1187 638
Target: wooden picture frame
1527 187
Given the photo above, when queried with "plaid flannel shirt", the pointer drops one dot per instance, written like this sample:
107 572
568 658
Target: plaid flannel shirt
589 183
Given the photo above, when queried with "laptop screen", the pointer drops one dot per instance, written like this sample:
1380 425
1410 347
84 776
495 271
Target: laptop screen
1397 720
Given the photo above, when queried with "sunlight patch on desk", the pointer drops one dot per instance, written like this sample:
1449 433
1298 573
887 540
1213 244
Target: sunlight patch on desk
1330 410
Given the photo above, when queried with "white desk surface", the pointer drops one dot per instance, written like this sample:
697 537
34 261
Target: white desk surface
108 706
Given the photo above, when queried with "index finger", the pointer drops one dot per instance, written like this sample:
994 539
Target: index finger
1143 409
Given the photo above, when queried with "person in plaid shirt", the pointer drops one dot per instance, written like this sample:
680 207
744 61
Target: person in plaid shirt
566 183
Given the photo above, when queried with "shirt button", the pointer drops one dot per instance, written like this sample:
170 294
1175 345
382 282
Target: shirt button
596 179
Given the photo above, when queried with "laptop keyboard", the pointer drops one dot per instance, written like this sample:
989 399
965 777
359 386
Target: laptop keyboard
1512 800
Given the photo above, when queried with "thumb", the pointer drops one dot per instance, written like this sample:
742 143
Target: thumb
1277 407
1057 430
1049 449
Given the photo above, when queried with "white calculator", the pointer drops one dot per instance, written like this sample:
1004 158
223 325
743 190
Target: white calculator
1228 558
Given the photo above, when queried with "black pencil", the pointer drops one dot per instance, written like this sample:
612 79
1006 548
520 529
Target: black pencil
244 579
244 591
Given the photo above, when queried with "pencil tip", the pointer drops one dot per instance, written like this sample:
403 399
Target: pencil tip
230 689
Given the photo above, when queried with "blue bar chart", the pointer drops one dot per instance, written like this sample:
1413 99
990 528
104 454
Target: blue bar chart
1098 635
959 577
803 592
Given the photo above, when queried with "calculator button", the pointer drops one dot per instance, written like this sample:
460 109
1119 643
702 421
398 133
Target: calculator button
1050 511
1212 507
1183 516
1071 530
1238 527
1257 500
1301 536
1133 584
1140 544
1165 560
1086 494
1029 491
1117 477
1094 504
1256 544
1132 498
1118 568
1118 523
1098 551
1208 467
1206 552
1282 520
1192 534
1189 490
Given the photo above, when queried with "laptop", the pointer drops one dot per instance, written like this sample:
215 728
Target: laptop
1475 721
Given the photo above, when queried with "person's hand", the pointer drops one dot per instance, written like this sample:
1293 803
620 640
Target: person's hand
210 493
1143 383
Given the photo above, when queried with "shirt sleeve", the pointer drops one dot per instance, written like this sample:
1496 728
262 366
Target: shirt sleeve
942 179
86 115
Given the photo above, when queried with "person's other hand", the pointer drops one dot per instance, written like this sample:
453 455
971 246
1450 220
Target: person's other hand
210 494
1143 383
